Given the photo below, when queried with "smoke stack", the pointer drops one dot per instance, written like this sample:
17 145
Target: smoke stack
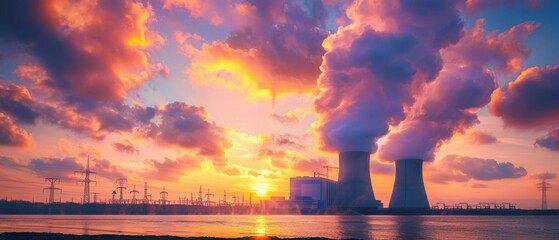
409 190
354 181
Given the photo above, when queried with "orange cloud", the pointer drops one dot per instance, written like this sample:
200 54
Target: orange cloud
276 50
87 49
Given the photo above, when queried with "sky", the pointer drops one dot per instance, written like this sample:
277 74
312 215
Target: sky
239 96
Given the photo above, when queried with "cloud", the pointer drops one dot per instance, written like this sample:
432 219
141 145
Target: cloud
478 185
473 6
276 49
449 105
530 101
55 167
69 40
82 59
98 121
189 127
481 138
550 141
65 168
463 169
16 101
372 66
212 11
290 159
12 135
288 141
125 147
288 118
171 170
381 168
543 175
278 158
311 164
105 168
11 164
503 52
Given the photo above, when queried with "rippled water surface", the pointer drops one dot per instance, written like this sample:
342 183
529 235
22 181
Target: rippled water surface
363 227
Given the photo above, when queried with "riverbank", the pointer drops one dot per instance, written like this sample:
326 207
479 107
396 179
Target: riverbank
22 207
60 236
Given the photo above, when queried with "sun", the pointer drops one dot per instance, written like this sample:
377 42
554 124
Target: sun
261 189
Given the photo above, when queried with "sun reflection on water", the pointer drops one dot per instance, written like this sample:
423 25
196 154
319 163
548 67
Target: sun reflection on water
261 226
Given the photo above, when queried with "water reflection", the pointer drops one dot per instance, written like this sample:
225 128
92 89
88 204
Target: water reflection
354 227
410 227
290 226
260 227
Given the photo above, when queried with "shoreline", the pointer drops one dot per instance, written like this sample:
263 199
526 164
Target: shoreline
61 236
28 208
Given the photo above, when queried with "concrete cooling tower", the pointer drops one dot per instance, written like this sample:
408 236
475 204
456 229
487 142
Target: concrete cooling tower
354 182
409 190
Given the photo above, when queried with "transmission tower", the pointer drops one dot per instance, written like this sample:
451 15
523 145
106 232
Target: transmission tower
544 187
224 198
121 187
86 181
235 199
146 200
134 192
163 196
208 195
200 199
52 181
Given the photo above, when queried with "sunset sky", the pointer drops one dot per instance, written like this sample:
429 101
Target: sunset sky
242 95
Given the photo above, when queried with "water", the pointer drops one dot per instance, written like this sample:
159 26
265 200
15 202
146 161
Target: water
363 227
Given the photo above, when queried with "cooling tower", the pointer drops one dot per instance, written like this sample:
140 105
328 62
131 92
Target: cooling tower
354 181
409 190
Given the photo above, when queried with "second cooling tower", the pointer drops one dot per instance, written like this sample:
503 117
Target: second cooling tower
409 190
354 183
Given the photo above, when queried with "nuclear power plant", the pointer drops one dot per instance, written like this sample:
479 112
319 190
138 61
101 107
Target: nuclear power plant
409 190
354 182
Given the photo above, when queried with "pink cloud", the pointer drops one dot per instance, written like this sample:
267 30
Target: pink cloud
171 169
189 127
530 101
481 137
463 169
288 118
125 146
12 135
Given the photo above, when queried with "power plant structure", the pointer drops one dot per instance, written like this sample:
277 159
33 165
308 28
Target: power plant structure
409 189
354 182
86 181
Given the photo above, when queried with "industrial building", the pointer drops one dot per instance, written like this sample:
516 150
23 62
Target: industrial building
313 189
